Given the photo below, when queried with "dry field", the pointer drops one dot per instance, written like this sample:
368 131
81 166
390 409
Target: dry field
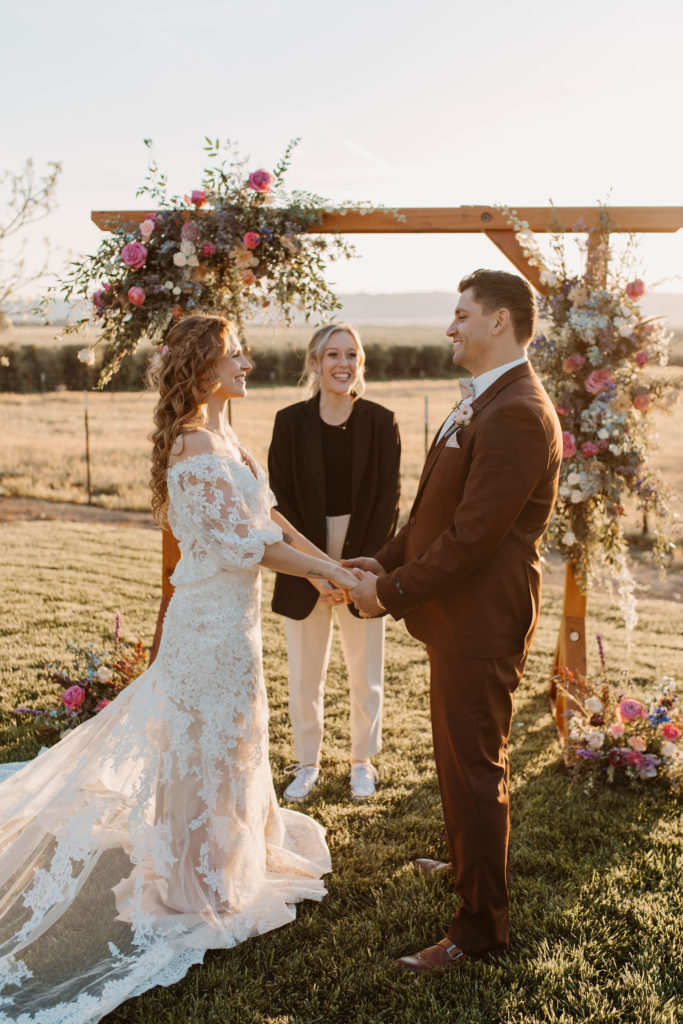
42 454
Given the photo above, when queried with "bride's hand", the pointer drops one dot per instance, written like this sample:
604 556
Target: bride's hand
329 593
342 578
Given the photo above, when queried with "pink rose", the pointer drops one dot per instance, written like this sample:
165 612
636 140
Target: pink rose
637 743
102 704
99 297
198 196
189 232
134 255
670 731
251 239
568 445
616 730
634 289
573 362
147 227
136 296
73 697
261 181
248 277
641 358
628 710
589 448
598 380
642 401
208 249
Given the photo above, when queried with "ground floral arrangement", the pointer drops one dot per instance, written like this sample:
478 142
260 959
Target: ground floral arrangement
595 359
234 247
90 682
614 737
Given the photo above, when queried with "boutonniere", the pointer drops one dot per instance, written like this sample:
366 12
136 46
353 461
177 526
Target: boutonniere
463 412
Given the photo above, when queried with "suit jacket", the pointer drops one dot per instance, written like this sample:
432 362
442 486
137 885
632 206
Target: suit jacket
297 477
465 569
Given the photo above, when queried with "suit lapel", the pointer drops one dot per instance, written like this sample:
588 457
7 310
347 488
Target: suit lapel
313 447
360 448
523 370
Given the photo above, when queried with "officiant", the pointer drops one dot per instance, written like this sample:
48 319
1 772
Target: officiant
334 467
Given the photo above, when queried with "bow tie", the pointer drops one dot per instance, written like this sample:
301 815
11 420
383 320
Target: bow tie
466 388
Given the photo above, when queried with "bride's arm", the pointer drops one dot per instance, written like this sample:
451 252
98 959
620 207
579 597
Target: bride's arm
292 536
283 557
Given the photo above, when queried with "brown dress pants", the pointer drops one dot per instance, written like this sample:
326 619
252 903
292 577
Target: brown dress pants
471 707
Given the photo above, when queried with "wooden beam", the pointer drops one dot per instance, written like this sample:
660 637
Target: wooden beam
464 219
507 242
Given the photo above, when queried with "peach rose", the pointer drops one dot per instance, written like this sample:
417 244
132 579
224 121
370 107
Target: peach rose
136 296
634 289
198 196
248 277
573 362
261 181
642 401
568 445
598 380
134 255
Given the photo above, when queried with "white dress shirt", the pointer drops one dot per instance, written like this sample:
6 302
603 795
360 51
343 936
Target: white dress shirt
480 384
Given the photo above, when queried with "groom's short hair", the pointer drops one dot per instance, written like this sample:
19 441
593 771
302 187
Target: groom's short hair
497 289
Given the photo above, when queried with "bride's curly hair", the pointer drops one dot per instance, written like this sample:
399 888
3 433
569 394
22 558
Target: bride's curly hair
183 372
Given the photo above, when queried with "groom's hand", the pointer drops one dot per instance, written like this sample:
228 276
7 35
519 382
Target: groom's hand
364 563
364 594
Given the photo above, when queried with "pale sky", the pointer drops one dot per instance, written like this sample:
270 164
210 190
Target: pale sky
405 103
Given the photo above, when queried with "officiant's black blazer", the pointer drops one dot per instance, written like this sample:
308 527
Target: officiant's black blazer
297 477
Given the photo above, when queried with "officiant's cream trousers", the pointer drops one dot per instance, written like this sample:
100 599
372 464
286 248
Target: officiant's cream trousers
308 647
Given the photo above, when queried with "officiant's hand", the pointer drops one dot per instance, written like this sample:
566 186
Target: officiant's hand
328 592
364 594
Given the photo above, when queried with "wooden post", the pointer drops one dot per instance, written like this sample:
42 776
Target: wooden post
170 556
570 652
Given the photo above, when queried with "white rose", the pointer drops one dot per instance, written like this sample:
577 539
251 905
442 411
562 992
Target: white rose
576 497
595 739
573 479
568 538
594 705
177 290
87 356
104 674
564 491
547 277
179 259
615 449
168 285
669 749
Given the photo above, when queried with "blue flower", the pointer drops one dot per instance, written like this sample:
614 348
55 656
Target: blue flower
658 715
266 233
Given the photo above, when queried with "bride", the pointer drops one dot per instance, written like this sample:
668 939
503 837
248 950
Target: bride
152 833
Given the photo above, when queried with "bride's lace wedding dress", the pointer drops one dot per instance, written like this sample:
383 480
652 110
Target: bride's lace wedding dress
152 833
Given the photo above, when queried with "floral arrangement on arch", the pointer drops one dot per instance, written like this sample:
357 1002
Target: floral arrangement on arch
596 361
89 684
615 737
233 247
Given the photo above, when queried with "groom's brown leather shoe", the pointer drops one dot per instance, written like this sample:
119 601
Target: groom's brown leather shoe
435 958
425 866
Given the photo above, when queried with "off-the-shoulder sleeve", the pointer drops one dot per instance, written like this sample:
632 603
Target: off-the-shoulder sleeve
218 516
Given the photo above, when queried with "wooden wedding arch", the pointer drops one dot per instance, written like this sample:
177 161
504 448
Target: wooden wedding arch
570 652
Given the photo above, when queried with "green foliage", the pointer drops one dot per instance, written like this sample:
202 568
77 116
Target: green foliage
597 876
33 368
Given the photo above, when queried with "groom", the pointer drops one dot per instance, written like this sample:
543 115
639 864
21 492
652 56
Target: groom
465 573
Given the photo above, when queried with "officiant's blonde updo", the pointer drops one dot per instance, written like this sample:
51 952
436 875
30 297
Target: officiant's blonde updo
183 372
312 369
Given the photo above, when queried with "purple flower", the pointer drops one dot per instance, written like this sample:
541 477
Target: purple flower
648 768
588 755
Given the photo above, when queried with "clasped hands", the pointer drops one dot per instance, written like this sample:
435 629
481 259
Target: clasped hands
362 593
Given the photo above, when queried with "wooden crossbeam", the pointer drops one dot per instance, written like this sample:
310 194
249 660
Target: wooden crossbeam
463 219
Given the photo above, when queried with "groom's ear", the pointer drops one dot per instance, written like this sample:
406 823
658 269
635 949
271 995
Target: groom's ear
502 321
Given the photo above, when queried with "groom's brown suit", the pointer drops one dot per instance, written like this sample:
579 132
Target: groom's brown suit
465 573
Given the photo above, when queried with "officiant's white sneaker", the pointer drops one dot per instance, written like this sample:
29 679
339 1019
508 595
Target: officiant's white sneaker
363 778
305 778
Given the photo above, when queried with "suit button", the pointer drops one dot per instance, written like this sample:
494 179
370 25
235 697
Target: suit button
412 520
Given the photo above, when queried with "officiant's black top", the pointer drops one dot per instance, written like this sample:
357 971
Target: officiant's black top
298 469
337 464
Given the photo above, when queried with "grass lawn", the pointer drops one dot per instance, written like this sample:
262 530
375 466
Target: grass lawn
597 877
